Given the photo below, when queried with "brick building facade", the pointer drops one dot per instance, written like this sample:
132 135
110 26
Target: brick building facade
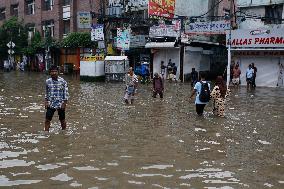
59 17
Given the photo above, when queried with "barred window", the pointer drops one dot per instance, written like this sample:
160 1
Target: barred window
48 4
273 14
14 10
65 2
48 28
30 7
2 13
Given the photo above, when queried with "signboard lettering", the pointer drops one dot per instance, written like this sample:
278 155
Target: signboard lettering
214 27
257 38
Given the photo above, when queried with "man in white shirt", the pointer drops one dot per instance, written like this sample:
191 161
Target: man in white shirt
200 86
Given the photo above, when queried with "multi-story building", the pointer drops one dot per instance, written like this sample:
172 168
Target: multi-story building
59 17
129 15
55 18
259 40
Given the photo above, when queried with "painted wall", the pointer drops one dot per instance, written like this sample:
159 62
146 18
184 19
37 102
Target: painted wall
197 7
165 55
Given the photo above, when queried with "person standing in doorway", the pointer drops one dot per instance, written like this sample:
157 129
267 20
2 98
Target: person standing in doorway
202 92
249 76
174 72
163 69
158 86
169 69
193 77
254 75
56 97
236 75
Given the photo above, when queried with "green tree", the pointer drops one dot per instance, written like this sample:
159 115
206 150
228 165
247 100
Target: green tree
76 40
13 30
35 46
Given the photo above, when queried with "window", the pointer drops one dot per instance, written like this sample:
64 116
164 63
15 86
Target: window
65 2
48 28
31 31
2 13
273 14
66 27
30 7
48 4
14 10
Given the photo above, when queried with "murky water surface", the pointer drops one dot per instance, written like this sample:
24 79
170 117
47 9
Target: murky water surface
151 144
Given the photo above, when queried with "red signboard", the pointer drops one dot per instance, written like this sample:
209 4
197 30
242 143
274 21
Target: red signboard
162 8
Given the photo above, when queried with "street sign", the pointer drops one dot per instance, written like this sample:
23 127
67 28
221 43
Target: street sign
10 51
11 44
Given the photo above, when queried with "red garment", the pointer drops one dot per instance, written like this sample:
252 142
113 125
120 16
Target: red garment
158 84
236 72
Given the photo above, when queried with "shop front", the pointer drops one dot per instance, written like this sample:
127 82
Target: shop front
264 48
164 51
163 42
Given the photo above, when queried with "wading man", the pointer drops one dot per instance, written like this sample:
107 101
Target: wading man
56 97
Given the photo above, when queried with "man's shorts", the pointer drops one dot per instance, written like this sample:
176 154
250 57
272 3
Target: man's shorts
249 80
236 81
50 112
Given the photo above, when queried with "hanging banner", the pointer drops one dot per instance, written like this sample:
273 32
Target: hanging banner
164 31
162 8
84 20
272 38
123 39
214 27
97 33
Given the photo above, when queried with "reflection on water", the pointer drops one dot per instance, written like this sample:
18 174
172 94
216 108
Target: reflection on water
151 144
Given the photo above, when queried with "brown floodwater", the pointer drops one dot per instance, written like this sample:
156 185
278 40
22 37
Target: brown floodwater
152 144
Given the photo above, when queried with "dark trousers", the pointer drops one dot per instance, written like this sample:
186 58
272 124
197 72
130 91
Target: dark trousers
253 82
200 109
158 92
50 112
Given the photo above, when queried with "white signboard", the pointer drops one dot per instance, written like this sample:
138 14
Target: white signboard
165 31
11 44
214 27
272 38
97 33
84 20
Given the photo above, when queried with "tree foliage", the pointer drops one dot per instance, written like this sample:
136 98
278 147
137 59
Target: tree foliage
75 40
35 45
12 30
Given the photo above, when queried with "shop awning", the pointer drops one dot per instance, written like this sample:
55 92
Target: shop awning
160 45
199 41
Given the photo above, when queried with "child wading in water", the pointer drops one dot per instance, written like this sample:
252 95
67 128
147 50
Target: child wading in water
158 86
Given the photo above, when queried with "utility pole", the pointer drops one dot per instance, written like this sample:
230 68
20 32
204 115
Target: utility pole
229 45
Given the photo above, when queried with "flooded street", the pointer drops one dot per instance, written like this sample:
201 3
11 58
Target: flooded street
151 144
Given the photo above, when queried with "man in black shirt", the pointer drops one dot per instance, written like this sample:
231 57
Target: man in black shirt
254 75
193 77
